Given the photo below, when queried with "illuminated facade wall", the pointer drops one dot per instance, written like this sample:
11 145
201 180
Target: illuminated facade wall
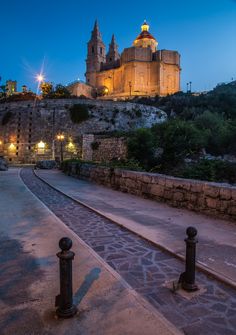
140 77
141 70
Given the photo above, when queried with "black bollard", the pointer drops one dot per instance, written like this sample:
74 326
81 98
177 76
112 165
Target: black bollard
188 277
64 301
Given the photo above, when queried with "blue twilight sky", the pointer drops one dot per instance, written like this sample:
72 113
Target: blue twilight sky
55 32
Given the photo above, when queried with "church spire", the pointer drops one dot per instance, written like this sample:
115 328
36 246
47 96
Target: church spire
96 33
96 54
113 53
113 41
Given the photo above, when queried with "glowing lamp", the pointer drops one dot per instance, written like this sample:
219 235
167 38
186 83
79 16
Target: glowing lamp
60 137
41 145
40 78
12 147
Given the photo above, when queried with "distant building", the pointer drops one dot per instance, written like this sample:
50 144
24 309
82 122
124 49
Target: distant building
11 87
140 70
24 89
79 88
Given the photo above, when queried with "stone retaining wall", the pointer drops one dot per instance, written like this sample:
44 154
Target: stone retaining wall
210 198
30 122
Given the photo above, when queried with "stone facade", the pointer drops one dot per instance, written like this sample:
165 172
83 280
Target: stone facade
79 88
141 70
31 122
214 199
103 149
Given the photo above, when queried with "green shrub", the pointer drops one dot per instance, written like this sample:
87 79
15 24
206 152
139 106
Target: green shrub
79 113
129 164
141 147
179 139
210 170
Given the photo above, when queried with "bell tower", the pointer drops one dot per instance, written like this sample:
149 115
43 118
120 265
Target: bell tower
95 56
113 54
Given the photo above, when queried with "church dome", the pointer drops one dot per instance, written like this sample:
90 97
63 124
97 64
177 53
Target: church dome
145 39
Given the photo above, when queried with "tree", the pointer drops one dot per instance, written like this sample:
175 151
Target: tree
178 139
61 92
46 88
141 148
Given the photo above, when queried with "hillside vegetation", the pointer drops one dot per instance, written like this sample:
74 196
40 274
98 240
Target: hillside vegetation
197 140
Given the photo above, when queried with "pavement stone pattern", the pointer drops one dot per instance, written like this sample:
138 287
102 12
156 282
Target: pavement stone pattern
145 267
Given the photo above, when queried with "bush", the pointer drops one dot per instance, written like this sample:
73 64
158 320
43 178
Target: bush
210 170
141 147
79 113
65 165
220 133
179 139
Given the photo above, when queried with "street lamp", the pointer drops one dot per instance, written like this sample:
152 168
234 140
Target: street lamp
130 88
40 78
61 138
187 87
41 147
71 148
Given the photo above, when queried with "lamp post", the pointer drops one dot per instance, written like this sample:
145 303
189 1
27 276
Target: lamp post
61 138
130 88
71 148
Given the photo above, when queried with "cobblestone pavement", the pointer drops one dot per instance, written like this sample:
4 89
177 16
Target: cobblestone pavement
144 266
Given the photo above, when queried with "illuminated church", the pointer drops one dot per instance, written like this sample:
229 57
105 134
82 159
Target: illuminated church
140 70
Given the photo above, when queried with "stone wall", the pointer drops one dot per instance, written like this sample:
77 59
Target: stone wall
214 199
109 149
79 88
103 149
41 120
87 151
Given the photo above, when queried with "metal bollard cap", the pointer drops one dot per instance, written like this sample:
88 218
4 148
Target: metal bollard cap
65 243
191 232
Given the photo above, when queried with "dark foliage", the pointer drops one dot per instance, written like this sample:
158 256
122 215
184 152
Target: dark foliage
79 113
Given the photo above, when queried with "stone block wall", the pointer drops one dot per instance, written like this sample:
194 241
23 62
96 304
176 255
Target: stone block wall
214 199
109 148
32 122
87 151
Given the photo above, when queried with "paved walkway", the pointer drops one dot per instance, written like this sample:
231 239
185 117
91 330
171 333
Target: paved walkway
149 270
157 222
29 235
